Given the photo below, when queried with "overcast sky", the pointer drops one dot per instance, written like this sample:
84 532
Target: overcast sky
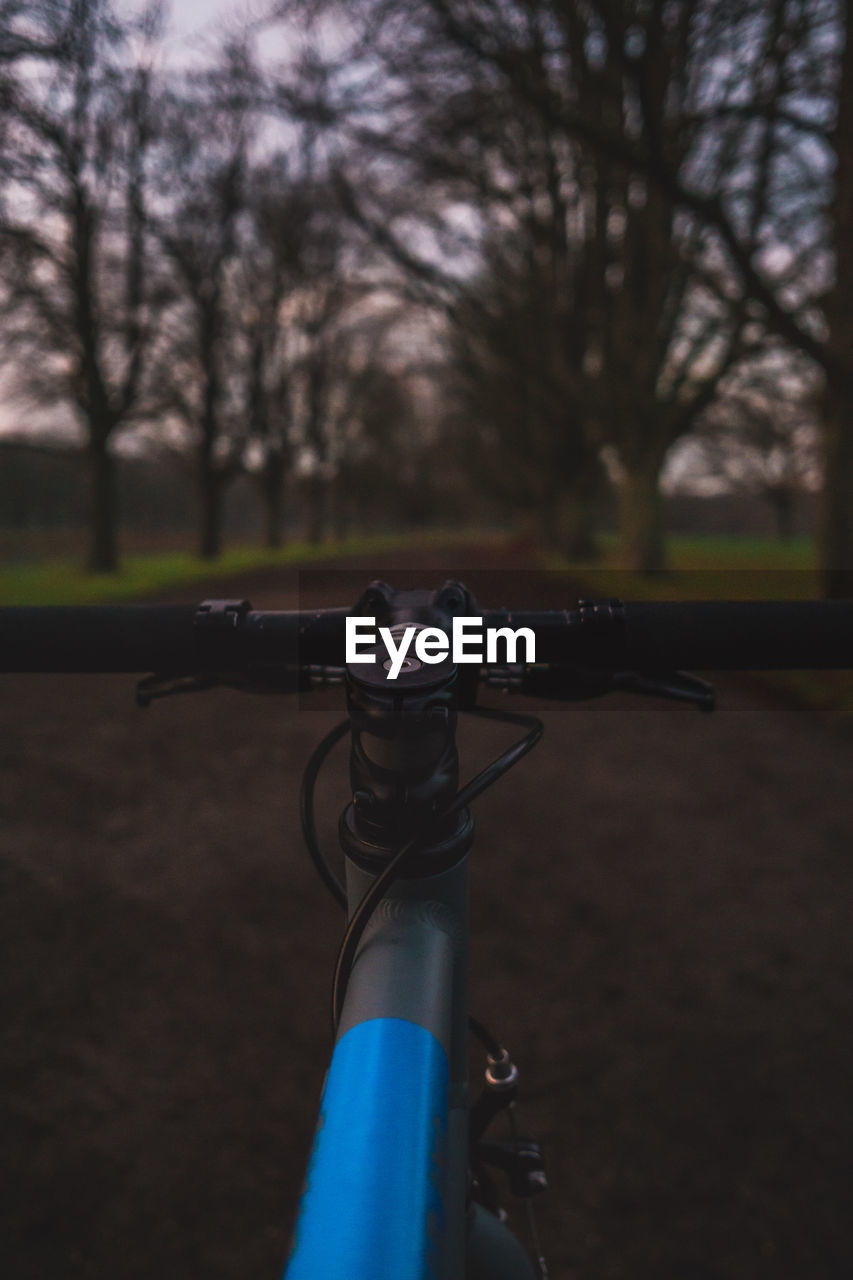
193 22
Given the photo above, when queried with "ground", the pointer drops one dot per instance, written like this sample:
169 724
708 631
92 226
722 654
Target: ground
661 935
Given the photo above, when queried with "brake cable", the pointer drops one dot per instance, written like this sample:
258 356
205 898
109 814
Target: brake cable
306 811
377 889
379 886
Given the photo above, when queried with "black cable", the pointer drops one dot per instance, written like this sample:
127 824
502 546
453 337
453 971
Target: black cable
504 762
490 1044
528 1200
378 887
309 831
306 811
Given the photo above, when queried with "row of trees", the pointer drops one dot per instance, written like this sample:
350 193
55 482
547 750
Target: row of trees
627 216
660 193
168 270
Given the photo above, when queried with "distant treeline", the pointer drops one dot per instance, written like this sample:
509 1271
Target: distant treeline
43 489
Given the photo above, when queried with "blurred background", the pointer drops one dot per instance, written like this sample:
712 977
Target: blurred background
283 275
557 288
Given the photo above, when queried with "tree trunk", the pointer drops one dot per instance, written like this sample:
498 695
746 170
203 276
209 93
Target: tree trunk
576 526
272 483
836 531
642 520
836 525
210 502
782 505
103 508
314 489
547 521
340 507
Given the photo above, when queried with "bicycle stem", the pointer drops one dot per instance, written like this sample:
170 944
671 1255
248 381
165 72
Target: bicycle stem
404 765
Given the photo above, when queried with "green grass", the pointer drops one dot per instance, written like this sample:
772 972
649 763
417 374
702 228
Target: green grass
64 581
707 567
711 551
707 550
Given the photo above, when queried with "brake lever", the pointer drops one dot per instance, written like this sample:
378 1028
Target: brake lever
680 686
259 679
152 687
562 684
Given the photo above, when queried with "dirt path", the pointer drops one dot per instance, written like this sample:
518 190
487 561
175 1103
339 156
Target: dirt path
662 921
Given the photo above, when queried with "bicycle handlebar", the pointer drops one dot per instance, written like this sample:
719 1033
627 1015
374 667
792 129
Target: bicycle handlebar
741 635
720 635
228 636
68 638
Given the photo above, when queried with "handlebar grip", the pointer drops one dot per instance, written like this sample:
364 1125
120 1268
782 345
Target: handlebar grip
739 635
65 638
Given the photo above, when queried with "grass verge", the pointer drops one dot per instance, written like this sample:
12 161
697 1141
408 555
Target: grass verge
64 581
707 567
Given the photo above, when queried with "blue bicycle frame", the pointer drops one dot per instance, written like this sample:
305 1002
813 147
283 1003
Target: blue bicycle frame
385 1191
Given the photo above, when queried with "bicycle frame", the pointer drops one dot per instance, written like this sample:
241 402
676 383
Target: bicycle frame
386 1191
386 1180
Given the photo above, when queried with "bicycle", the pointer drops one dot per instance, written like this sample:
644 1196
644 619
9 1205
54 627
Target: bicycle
397 1142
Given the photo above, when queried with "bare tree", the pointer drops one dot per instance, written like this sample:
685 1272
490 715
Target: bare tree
389 470
33 29
300 287
761 436
271 270
752 109
728 117
516 357
330 327
836 353
201 374
739 144
338 380
613 322
77 316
